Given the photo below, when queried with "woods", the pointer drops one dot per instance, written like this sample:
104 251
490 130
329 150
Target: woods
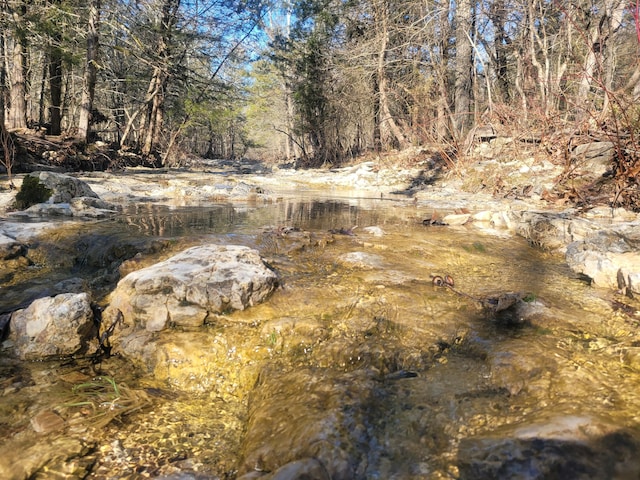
142 75
316 81
415 73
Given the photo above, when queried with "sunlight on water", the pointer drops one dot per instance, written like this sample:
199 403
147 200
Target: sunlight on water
419 380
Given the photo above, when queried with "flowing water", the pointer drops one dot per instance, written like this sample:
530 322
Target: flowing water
357 360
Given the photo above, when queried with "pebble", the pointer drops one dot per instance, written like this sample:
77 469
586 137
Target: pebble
47 421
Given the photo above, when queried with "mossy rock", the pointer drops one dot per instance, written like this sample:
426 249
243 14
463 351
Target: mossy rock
31 193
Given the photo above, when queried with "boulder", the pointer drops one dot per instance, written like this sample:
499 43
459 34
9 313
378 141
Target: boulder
184 289
64 187
374 230
456 219
60 325
544 229
70 197
594 150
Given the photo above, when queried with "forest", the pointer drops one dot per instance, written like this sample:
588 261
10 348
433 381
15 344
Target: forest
317 82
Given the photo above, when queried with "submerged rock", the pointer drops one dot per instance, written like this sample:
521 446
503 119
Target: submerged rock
309 414
576 447
60 325
306 468
62 457
187 287
361 260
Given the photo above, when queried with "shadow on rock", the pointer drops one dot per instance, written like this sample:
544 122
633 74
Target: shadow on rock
540 456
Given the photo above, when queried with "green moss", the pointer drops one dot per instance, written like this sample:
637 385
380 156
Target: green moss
31 193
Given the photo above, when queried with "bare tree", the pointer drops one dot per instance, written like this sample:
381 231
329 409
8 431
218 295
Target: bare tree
17 117
598 67
55 75
464 17
164 23
6 143
90 70
387 131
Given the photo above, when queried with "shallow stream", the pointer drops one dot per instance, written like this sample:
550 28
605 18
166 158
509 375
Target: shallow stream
357 361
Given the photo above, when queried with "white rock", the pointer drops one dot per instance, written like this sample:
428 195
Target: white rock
456 219
59 325
375 231
188 286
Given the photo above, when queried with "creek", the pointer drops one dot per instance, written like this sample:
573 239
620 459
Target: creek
357 360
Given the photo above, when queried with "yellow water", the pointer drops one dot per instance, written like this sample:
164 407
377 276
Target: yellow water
413 376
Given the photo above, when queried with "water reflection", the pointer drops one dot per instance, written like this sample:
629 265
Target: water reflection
163 221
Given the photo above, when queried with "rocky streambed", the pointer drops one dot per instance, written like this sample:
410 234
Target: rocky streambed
234 322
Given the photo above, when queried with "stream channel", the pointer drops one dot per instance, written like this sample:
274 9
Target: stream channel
356 367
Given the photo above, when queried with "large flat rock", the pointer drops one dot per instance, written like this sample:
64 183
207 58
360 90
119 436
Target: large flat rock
184 289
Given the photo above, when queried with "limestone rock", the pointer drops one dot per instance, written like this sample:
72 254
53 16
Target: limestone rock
593 159
47 421
374 230
307 468
47 209
59 325
594 150
59 454
604 267
64 187
70 197
185 288
456 219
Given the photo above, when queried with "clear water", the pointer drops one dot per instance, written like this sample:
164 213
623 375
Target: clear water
412 380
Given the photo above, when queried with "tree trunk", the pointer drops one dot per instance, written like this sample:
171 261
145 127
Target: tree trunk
444 117
153 119
90 72
3 79
17 117
6 142
291 150
390 133
463 67
598 59
156 92
43 89
55 88
501 42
